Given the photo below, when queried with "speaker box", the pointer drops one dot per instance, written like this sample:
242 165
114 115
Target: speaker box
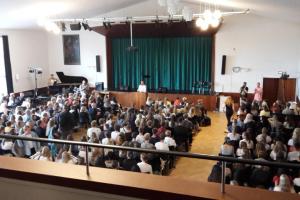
29 93
98 69
223 64
99 86
162 90
124 88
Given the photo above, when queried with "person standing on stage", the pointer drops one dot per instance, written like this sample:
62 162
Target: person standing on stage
257 94
243 93
142 87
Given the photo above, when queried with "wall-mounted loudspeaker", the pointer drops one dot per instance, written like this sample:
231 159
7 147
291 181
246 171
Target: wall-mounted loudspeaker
223 64
99 86
98 69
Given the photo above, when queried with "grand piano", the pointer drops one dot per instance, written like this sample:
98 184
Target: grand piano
64 79
67 83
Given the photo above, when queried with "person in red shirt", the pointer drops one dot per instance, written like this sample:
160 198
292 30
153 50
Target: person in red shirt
177 102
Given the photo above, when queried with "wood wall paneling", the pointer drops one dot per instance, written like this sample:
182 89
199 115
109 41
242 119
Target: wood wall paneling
136 99
276 88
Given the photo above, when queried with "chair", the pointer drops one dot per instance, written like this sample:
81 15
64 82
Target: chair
195 86
164 167
206 86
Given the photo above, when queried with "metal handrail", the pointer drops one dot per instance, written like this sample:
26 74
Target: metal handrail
172 153
223 159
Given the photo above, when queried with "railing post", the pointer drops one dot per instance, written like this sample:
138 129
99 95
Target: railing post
223 178
87 160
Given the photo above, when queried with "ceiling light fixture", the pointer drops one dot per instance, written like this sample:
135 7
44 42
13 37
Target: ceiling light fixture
205 19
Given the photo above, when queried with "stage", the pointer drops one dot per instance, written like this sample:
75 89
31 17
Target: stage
137 99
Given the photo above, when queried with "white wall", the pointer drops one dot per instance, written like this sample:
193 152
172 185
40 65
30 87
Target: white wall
91 44
262 45
38 48
28 48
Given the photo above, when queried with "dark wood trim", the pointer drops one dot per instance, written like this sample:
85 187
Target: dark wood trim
109 63
129 99
213 62
179 29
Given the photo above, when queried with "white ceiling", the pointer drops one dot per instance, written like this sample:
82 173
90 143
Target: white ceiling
24 13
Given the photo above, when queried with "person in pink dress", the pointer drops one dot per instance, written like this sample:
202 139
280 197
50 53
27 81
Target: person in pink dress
258 94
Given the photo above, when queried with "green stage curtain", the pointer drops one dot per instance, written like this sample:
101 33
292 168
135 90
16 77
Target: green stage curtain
175 63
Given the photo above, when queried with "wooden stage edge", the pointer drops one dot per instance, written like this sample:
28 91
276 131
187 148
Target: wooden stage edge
136 99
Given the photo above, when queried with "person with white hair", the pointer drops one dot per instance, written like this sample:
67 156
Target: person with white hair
30 147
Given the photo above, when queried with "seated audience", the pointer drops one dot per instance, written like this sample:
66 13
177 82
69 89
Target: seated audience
143 165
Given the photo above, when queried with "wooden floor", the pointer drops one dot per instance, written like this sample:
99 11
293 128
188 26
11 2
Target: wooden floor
207 141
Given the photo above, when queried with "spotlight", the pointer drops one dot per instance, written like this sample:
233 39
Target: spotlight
63 26
107 25
86 26
75 27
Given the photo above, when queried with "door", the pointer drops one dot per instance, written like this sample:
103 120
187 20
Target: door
277 88
270 90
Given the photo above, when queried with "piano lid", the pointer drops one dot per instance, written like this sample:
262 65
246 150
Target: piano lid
70 79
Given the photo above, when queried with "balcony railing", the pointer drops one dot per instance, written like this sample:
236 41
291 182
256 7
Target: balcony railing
222 159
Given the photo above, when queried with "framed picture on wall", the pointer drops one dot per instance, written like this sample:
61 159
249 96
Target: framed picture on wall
71 48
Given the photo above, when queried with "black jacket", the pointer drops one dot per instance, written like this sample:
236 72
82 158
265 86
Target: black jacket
66 121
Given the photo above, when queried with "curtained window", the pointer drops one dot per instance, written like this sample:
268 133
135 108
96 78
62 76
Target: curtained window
175 63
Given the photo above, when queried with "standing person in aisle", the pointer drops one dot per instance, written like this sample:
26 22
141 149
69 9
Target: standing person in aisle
258 94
